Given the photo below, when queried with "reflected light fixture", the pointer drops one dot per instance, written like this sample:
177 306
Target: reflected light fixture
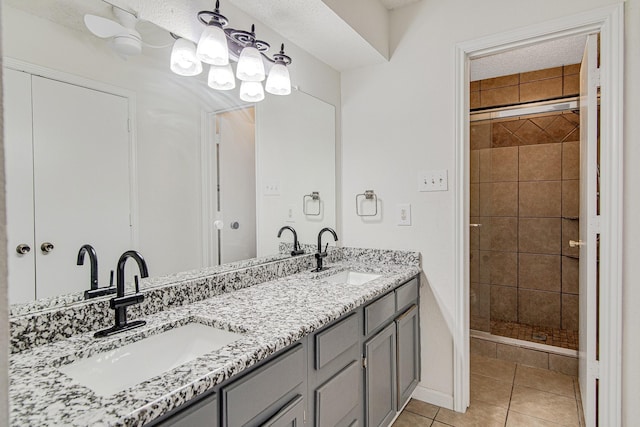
183 58
218 45
221 77
251 91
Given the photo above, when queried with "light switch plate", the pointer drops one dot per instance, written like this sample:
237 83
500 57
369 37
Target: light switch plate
271 188
404 213
436 180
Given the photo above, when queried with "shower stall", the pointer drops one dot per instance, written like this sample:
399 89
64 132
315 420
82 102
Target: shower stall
524 209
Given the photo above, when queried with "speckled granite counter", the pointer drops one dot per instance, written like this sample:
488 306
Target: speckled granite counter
271 315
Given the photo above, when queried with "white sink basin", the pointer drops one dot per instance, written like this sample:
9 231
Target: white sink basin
351 277
113 371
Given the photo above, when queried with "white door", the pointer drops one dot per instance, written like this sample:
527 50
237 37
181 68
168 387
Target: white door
69 183
237 181
589 221
18 152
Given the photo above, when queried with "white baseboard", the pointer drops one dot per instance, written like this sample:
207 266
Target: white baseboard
433 397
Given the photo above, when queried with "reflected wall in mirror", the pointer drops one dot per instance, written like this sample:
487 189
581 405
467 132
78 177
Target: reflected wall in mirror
125 155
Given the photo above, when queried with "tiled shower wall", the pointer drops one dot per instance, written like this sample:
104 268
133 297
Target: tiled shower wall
524 192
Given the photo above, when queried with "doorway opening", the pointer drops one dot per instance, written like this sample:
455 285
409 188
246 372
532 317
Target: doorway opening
601 233
524 208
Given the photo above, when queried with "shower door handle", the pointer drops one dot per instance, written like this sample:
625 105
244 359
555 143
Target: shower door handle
573 243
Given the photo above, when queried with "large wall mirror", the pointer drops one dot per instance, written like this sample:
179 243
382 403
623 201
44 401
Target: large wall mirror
121 153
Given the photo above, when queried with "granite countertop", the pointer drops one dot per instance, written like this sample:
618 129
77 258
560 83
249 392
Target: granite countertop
270 315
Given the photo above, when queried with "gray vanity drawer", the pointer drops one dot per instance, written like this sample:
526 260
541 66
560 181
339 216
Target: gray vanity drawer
377 313
407 294
256 393
291 415
335 340
336 398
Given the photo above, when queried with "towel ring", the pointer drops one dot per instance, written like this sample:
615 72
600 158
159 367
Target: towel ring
367 195
315 195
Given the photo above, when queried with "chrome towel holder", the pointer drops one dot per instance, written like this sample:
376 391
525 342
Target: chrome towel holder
314 196
367 195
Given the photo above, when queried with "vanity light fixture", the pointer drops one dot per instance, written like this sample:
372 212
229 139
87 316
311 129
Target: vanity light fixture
183 58
219 44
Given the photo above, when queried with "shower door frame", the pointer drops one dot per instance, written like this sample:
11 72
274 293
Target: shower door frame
609 23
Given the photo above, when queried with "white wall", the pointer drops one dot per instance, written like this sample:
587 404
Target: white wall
398 119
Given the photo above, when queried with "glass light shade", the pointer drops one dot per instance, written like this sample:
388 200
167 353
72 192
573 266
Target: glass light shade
251 91
250 66
221 77
212 47
183 58
278 82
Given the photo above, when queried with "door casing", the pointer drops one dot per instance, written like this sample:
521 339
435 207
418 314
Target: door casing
609 23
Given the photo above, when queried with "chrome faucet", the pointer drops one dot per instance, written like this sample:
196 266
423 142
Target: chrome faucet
121 302
296 245
322 254
95 290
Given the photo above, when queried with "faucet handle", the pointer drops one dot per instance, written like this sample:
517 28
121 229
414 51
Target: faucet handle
137 282
111 278
326 247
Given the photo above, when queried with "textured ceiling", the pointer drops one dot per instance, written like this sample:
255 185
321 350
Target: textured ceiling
549 54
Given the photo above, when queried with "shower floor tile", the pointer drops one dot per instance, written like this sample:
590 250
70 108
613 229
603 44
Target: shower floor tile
551 336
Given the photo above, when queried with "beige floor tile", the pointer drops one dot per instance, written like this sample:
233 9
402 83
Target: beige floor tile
548 406
422 408
545 380
515 419
479 414
491 391
494 368
439 424
409 419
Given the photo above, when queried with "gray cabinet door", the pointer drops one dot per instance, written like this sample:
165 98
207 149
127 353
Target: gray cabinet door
338 399
380 377
408 332
292 415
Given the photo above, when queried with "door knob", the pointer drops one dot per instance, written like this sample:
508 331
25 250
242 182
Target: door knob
235 225
23 248
573 243
46 247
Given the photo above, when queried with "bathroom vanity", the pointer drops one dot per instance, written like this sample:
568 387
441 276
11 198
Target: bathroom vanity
328 348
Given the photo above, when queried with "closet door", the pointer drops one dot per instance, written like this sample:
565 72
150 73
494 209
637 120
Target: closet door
18 153
81 182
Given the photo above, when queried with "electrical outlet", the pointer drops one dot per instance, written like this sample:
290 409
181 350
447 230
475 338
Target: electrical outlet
404 214
271 188
433 180
290 214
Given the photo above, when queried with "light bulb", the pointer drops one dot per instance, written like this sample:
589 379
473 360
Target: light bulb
250 65
212 47
278 82
251 91
221 77
183 58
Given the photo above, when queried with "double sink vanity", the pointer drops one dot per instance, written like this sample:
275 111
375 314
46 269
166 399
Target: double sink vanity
272 344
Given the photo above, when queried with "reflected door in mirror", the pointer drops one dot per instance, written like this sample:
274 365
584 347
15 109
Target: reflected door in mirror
68 182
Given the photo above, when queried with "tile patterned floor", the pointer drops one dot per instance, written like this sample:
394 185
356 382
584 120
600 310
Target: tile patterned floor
505 394
551 336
